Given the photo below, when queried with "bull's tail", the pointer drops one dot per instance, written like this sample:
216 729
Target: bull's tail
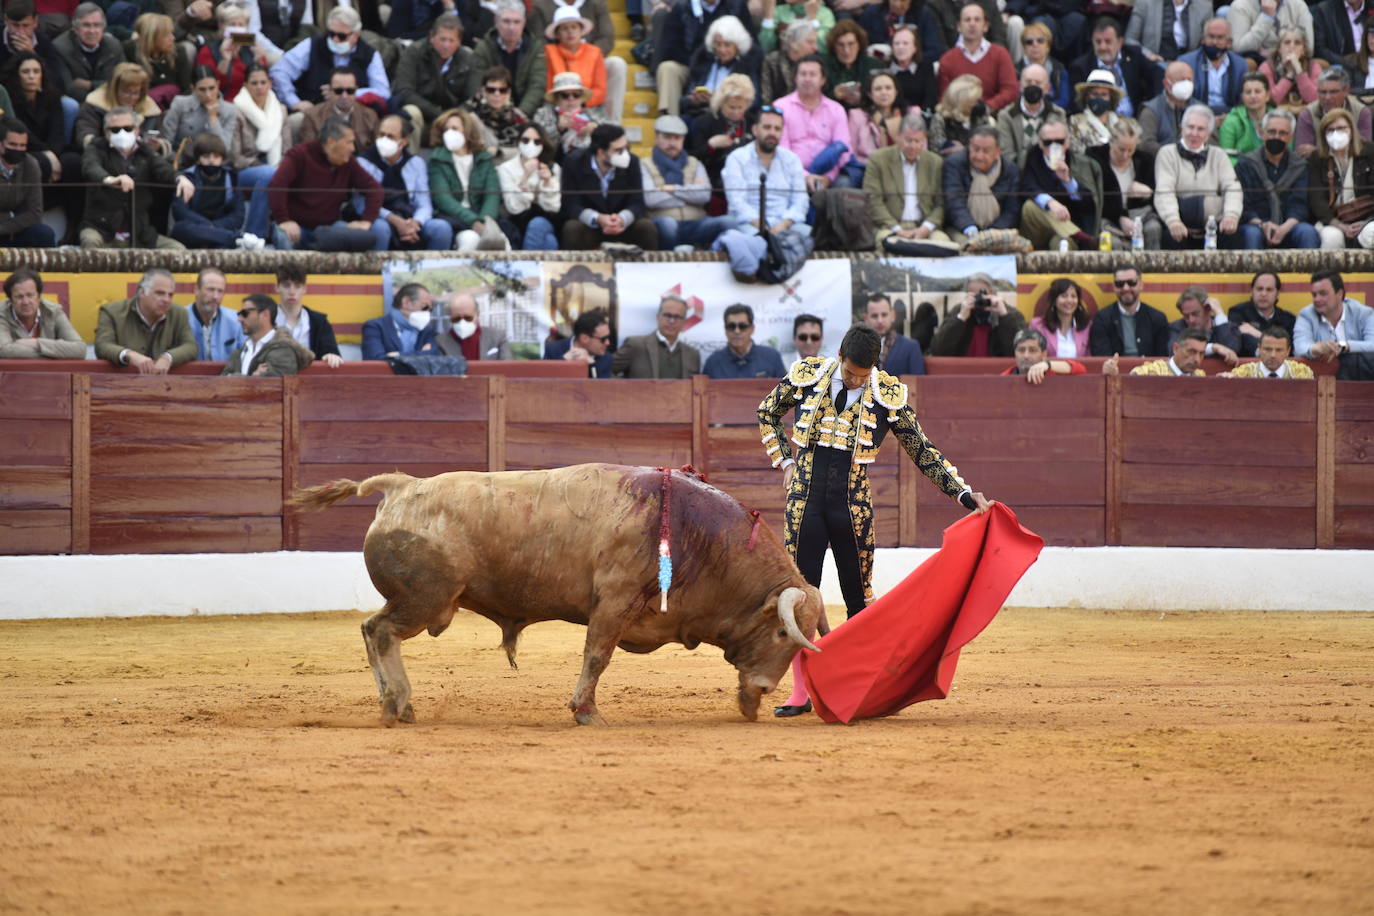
325 495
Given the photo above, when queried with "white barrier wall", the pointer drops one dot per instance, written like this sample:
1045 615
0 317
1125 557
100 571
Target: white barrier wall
1115 578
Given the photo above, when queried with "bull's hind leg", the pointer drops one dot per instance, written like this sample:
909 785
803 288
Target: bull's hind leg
601 642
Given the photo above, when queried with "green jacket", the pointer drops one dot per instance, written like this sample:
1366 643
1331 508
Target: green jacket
57 339
885 185
1237 134
282 355
419 81
446 191
528 91
120 327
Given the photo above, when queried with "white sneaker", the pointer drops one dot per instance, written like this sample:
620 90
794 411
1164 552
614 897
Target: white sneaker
250 242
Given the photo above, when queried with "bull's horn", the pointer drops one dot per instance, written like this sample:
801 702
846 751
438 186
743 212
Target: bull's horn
786 602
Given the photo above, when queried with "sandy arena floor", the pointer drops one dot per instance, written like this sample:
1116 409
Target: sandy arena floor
1088 762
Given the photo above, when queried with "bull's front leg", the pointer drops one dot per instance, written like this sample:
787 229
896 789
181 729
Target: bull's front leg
601 640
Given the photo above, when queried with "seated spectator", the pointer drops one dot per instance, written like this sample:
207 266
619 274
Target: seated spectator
913 70
465 189
262 134
980 188
283 27
599 33
267 351
1065 326
1273 362
1164 29
1098 99
906 202
127 88
86 56
214 326
603 195
1125 62
566 116
410 20
779 75
975 54
1260 311
531 192
717 134
406 221
313 187
302 75
501 121
154 47
1186 359
117 164
729 51
204 112
21 191
847 63
1034 362
1361 70
567 52
1018 125
660 354
1128 327
807 331
1217 70
1333 93
1161 118
406 329
213 217
32 327
36 103
589 344
1062 192
1204 313
311 329
1194 181
882 22
900 355
741 357
959 112
195 24
815 128
1240 129
1334 325
1257 28
236 50
1036 42
779 18
1334 27
982 325
1340 183
786 203
677 189
438 74
511 46
1275 212
1292 73
1128 179
467 337
144 331
681 29
23 36
342 102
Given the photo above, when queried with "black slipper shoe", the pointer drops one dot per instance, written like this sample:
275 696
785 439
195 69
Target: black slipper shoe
786 712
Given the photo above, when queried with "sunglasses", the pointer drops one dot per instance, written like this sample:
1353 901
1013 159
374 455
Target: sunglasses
496 90
736 326
809 338
341 36
606 339
770 109
575 94
1034 40
348 90
1123 284
248 310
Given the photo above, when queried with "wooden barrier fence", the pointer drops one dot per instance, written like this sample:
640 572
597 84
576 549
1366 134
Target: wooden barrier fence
111 464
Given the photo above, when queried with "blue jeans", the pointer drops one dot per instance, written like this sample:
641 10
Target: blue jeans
699 233
254 179
337 236
540 235
70 107
1303 235
435 235
202 233
38 235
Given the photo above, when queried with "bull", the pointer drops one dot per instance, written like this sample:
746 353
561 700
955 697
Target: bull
578 544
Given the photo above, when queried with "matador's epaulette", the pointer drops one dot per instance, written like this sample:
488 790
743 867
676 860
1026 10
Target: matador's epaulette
889 392
809 370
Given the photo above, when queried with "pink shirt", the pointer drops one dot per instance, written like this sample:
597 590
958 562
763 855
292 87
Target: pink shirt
1080 338
806 132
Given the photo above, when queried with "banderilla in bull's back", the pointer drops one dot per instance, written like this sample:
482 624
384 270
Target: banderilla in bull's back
579 544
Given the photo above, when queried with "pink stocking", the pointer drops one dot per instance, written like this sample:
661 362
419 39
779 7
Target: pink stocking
799 695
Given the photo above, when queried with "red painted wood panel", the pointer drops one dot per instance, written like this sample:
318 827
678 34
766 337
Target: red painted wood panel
1214 526
348 442
1009 397
150 419
1354 527
209 496
36 488
185 389
174 534
1019 482
1222 487
546 445
224 459
1355 484
36 443
736 401
1204 399
1223 443
393 398
35 531
35 396
339 528
1060 526
598 400
1354 441
1033 438
1355 401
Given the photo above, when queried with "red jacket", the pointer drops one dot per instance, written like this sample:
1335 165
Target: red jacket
1075 368
324 188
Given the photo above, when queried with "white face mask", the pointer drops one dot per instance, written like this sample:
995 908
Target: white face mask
1182 91
621 160
340 47
419 320
123 140
465 327
455 140
387 147
530 149
1338 139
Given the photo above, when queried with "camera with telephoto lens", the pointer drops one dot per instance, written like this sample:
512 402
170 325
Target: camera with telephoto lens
982 308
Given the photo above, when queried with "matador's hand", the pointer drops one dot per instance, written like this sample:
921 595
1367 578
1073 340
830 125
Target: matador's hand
787 475
981 502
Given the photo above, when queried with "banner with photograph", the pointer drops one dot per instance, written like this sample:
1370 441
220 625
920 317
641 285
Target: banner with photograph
910 283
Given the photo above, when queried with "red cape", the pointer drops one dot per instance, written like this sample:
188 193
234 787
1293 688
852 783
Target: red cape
903 648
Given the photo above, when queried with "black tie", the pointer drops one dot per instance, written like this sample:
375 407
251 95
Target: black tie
839 399
1273 375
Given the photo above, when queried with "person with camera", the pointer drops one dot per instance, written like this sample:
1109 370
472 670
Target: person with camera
982 325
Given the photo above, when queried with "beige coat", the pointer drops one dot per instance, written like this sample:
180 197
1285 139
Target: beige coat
1215 181
57 339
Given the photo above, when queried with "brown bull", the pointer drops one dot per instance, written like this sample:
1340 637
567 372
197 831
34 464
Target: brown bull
578 544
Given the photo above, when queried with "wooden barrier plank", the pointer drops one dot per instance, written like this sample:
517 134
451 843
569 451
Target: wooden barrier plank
81 464
1112 435
226 459
185 389
736 447
290 458
36 488
546 445
1203 399
496 424
37 443
1221 443
179 534
887 529
1060 526
342 527
736 401
1354 442
1214 526
1219 487
701 454
1009 397
1354 527
654 403
1038 438
1020 482
1354 485
35 531
438 398
35 396
151 419
1326 461
208 496
342 441
1355 401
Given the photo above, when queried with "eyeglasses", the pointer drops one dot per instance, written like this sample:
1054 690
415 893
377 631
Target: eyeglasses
340 36
1034 40
248 310
736 326
575 94
606 339
1123 284
496 90
808 338
346 90
669 316
1050 141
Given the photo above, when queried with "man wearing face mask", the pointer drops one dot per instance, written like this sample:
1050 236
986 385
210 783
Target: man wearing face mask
406 329
467 337
1125 62
1218 71
1194 181
407 221
302 74
342 103
1063 192
21 191
1274 182
603 195
1161 118
1018 125
1333 92
117 164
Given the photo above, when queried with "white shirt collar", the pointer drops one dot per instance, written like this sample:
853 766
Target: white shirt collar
671 346
978 54
252 348
1173 367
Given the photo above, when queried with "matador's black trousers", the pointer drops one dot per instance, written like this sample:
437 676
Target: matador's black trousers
826 522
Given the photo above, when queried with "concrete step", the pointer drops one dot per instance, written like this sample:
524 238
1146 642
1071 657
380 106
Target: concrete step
622 48
622 26
641 78
640 131
640 103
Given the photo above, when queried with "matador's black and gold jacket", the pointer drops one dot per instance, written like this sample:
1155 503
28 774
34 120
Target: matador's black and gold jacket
861 427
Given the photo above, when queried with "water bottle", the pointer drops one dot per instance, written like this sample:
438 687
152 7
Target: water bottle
1138 235
1209 241
1063 246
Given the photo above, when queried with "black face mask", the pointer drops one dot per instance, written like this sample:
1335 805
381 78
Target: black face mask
211 172
1099 106
1212 51
1274 147
1033 95
14 156
979 112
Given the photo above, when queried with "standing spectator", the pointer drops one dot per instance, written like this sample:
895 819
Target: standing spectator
1065 324
463 182
312 187
1334 325
741 357
980 185
263 134
1129 327
1340 182
1275 212
660 354
86 55
1098 99
1333 93
1194 182
590 344
36 103
900 355
982 325
726 128
815 128
1018 125
467 337
437 74
780 67
266 351
1128 187
1164 29
501 121
213 217
1292 73
1218 71
154 47
599 32
32 327
683 30
1161 118
205 112
959 112
1260 312
283 25
566 118
1257 24
603 195
807 331
1240 129
567 52
1274 347
531 191
407 327
1203 313
237 51
728 50
406 221
913 70
117 164
847 63
878 122
509 45
677 189
1186 359
144 331
309 328
342 103
303 73
974 54
906 202
21 191
786 204
1063 193
1036 41
214 326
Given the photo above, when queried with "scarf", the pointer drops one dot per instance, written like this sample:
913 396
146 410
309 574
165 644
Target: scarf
670 169
269 123
505 123
982 202
1197 160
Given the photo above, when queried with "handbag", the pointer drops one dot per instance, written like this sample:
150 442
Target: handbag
786 252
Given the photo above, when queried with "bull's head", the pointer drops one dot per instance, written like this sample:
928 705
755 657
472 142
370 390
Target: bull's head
785 624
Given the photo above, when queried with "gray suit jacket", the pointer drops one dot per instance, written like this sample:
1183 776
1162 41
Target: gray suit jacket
638 358
1147 22
495 345
886 188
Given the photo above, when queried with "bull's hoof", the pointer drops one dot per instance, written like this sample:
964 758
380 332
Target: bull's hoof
391 714
588 717
408 715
